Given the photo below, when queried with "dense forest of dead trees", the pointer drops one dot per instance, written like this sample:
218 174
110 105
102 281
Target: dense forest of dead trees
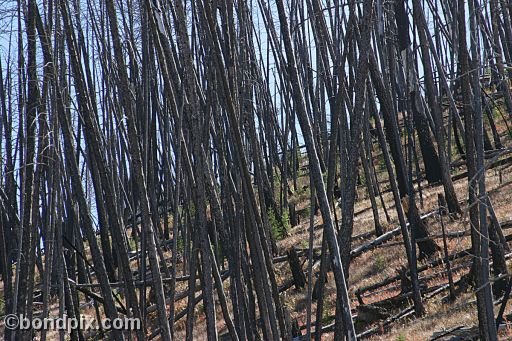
154 155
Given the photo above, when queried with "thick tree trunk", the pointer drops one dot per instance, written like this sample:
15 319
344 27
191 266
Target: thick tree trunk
499 264
474 160
430 159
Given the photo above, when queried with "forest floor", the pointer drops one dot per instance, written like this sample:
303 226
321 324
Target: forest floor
378 264
383 261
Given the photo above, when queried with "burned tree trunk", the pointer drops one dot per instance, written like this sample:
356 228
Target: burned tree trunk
299 279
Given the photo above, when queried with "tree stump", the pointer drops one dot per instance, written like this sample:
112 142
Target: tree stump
299 279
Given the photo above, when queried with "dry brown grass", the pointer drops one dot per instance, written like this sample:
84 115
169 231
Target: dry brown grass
373 266
382 262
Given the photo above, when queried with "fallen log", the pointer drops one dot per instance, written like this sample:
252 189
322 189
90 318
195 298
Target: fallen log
402 314
147 283
422 278
422 268
359 292
182 295
383 238
456 234
438 335
95 296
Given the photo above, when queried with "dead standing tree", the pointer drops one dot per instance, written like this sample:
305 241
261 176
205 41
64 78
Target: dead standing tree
184 107
476 178
342 294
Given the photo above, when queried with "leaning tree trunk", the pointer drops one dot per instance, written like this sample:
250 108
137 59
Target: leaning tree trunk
474 160
316 173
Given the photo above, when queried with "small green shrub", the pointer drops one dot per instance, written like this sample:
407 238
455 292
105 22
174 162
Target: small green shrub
301 194
180 245
132 243
279 227
305 213
363 179
379 263
326 318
